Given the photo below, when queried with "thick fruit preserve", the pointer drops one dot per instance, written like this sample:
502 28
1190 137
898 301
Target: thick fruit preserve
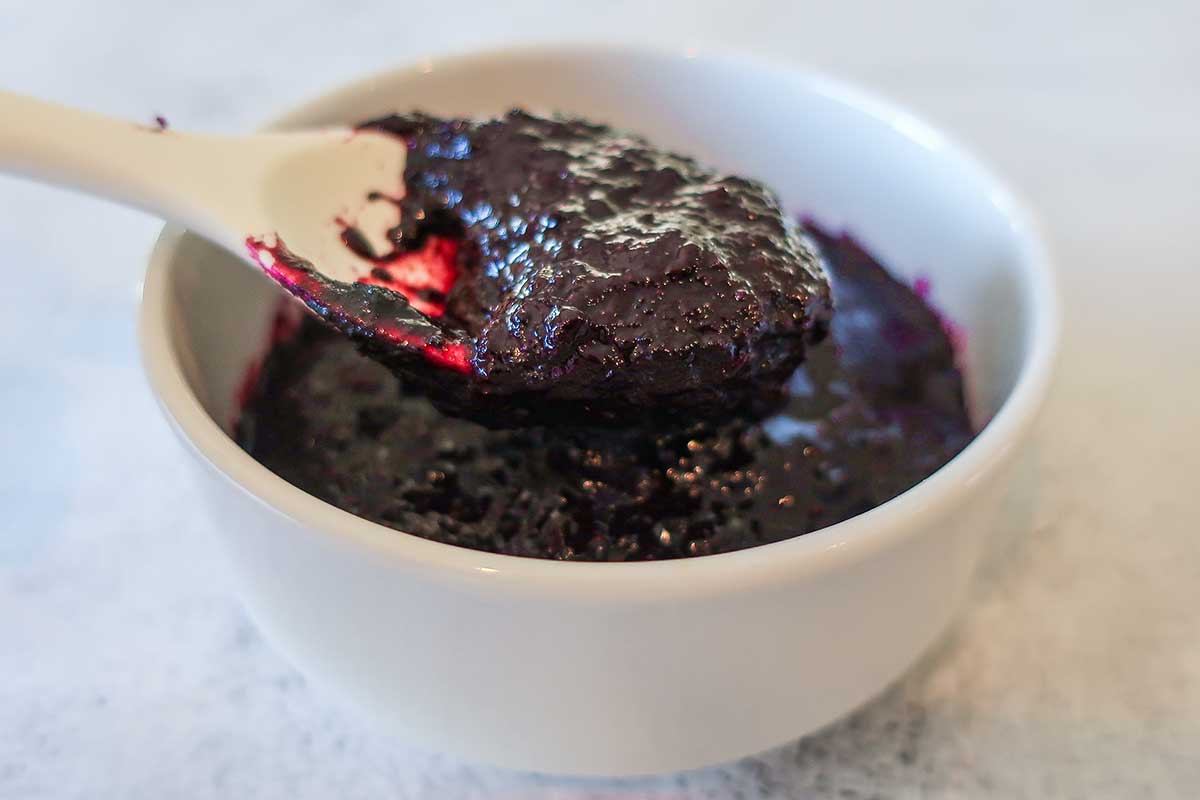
555 267
874 409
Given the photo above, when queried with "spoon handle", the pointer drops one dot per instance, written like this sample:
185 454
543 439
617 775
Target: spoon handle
205 182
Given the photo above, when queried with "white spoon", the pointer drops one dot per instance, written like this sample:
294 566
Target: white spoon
250 194
226 188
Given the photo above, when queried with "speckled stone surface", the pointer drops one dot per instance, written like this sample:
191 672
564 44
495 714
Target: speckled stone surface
128 670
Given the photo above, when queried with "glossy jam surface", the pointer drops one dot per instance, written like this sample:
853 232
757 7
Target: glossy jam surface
579 271
875 409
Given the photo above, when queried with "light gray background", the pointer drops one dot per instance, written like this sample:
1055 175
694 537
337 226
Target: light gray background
127 669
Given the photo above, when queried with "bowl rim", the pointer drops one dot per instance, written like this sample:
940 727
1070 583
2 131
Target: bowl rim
818 551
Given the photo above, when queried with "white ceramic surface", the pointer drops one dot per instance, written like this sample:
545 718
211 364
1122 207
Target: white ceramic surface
628 669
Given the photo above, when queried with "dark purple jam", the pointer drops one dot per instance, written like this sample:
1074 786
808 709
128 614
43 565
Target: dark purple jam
874 409
551 270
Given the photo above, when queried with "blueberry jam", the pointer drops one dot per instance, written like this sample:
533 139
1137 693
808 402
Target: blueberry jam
873 410
551 270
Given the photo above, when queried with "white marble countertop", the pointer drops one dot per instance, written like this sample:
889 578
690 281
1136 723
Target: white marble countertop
127 670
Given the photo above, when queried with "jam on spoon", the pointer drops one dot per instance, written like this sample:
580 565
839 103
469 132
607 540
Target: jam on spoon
552 268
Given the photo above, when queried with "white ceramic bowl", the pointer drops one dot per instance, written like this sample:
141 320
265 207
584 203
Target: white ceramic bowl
620 669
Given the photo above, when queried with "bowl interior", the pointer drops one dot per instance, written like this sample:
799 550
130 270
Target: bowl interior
831 153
